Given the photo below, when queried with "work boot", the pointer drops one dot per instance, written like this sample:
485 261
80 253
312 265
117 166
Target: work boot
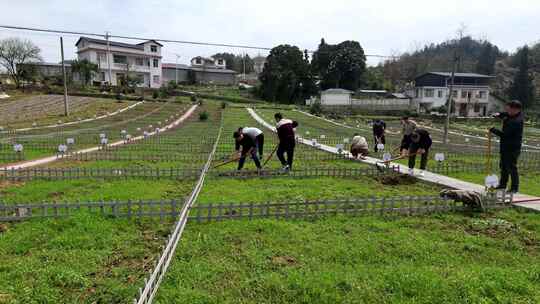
513 191
500 187
285 168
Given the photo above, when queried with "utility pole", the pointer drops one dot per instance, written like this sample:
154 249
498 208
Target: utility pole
450 99
244 66
108 57
176 68
66 107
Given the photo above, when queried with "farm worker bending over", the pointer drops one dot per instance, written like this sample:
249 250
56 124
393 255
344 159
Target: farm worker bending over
359 146
510 146
420 144
408 128
379 128
287 141
255 134
248 147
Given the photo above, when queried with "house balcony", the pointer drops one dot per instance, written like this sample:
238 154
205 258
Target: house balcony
132 67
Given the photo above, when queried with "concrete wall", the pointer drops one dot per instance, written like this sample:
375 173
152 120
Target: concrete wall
330 99
382 104
216 78
169 75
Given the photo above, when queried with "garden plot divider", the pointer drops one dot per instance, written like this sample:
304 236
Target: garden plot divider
151 284
401 205
124 209
79 173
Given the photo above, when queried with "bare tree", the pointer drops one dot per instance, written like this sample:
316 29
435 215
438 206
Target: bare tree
14 52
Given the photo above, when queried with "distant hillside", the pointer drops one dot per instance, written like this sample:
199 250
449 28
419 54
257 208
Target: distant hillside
478 56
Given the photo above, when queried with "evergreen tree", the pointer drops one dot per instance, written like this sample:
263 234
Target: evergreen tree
286 76
339 66
486 60
522 88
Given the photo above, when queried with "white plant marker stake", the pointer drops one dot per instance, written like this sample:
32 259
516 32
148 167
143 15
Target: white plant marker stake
492 181
70 141
62 148
439 157
18 147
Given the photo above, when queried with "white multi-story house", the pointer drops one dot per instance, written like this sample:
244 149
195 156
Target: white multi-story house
471 92
116 59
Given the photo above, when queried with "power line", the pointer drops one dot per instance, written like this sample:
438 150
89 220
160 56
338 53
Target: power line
158 39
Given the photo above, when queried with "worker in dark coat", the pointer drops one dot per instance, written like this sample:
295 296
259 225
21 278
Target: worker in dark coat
379 128
420 144
287 141
510 146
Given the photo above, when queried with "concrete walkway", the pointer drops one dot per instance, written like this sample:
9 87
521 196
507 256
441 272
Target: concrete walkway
532 203
423 126
49 159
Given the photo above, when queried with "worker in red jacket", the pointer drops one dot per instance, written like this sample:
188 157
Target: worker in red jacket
287 141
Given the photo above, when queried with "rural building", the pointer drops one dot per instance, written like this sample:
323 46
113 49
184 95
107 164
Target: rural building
199 73
471 92
258 64
141 60
371 93
336 97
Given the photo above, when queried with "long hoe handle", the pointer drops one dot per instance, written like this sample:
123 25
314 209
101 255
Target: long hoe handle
270 156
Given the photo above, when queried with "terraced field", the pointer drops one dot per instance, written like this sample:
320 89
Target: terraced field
97 244
42 110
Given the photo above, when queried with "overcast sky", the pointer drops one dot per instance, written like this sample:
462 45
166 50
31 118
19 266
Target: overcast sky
385 27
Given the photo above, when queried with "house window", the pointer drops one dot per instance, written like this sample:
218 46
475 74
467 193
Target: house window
139 61
155 78
454 93
439 93
198 61
481 94
119 59
417 93
429 93
476 107
156 63
101 57
153 48
220 61
463 94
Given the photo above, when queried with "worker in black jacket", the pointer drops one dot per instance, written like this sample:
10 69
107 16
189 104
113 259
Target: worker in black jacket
420 144
248 147
287 141
510 145
379 128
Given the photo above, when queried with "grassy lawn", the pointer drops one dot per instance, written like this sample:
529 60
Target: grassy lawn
439 259
285 189
93 190
82 259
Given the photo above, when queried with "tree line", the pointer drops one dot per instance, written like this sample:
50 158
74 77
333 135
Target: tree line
289 76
